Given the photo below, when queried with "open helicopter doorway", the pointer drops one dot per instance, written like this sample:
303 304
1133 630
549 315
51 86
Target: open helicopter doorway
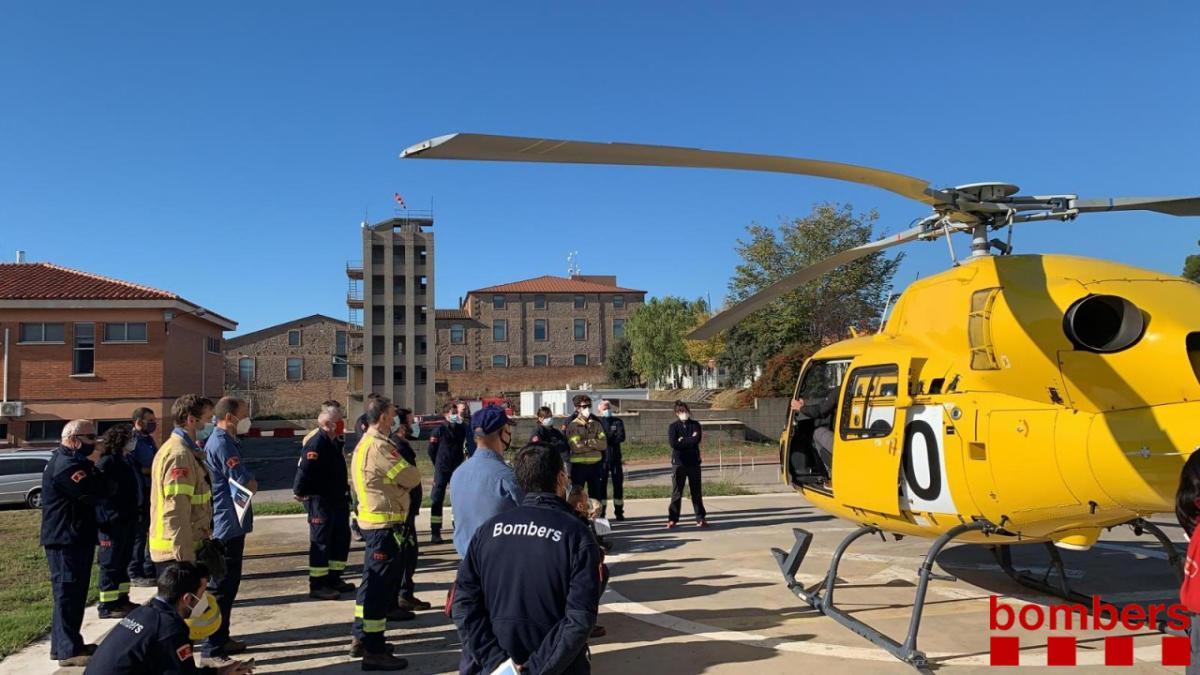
806 464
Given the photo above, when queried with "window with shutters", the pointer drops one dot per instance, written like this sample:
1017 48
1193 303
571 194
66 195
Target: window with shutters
979 329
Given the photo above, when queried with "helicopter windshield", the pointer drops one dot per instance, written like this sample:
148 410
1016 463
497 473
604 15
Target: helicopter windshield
822 376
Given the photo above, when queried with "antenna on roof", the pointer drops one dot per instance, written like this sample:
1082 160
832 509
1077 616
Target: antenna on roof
20 257
573 268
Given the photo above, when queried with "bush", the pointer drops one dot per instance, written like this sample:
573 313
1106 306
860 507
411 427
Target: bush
779 375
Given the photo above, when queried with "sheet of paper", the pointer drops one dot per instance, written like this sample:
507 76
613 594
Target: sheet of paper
241 499
506 668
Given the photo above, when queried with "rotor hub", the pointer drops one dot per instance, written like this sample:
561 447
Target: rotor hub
988 192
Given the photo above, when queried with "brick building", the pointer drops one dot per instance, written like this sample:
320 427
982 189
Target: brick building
566 326
81 346
290 368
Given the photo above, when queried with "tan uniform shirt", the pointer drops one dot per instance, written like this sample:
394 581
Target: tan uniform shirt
180 502
587 440
382 481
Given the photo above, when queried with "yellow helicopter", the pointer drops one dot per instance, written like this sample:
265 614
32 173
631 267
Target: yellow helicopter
1011 399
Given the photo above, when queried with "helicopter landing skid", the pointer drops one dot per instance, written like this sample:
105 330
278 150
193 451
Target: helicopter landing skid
1061 587
789 564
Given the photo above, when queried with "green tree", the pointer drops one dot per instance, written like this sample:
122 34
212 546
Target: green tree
619 366
820 311
656 330
1191 267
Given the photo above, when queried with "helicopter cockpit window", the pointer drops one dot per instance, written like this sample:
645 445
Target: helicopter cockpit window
822 376
869 408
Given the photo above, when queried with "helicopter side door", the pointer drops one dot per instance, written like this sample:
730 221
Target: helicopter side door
869 439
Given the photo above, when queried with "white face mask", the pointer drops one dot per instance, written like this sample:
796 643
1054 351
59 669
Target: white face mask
585 411
395 424
243 426
548 422
200 607
683 417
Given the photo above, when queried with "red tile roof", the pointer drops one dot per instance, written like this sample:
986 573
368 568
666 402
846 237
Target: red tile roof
551 284
46 281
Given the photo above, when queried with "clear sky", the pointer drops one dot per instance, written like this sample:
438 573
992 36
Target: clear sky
227 151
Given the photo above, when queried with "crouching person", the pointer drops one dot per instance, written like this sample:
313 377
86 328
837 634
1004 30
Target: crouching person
153 638
529 588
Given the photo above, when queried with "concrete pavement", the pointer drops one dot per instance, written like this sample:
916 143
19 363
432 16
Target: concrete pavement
711 601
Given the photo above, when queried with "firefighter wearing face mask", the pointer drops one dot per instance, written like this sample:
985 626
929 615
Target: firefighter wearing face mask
588 443
382 480
547 434
446 445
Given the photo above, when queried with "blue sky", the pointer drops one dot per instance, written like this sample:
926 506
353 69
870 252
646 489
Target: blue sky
227 151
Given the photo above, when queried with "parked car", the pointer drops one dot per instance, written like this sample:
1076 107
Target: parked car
21 477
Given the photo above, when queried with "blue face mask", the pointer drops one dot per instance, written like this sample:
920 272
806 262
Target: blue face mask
608 413
204 432
455 419
415 430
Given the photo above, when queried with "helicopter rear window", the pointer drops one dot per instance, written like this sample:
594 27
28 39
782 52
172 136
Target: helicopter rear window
1193 347
869 409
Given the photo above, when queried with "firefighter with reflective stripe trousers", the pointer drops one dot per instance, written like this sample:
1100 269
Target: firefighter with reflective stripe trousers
181 520
321 485
446 446
588 443
382 480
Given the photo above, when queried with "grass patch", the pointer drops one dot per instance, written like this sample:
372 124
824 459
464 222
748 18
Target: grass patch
710 489
26 599
632 453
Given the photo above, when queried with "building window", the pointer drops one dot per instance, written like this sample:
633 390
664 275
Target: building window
295 369
541 360
125 332
42 332
618 302
618 328
245 371
500 361
84 359
377 376
377 254
213 345
539 302
399 314
580 302
458 334
422 376
539 330
44 430
499 330
458 363
293 338
340 363
581 359
377 285
377 315
399 375
498 302
580 329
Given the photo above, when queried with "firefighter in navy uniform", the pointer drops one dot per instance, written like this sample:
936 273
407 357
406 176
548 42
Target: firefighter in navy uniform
117 519
529 587
546 434
614 431
408 428
71 489
321 484
153 639
446 446
382 480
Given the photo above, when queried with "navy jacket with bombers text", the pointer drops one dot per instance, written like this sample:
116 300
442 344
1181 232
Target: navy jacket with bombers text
152 639
529 589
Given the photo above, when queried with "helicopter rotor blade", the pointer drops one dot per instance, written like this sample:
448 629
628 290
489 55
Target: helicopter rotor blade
730 317
1174 206
519 149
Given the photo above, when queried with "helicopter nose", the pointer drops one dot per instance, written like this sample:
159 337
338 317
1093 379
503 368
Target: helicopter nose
1136 455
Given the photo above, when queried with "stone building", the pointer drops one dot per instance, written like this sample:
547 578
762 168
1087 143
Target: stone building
290 368
563 327
390 298
78 345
